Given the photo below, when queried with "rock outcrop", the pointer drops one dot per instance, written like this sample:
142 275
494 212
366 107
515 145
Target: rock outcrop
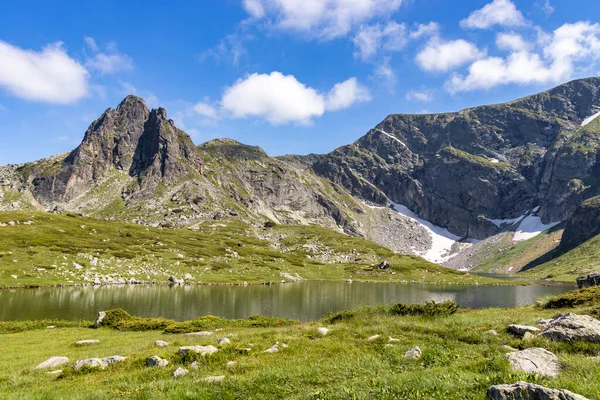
530 391
535 360
583 225
572 327
592 279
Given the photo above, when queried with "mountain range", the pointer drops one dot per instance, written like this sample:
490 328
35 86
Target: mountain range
448 187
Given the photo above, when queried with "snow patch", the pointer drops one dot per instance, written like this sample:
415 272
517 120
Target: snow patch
442 239
506 222
392 137
590 119
531 226
494 160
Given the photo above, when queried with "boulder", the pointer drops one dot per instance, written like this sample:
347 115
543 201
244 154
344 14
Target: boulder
323 331
180 372
571 327
100 318
203 350
224 341
91 363
520 330
161 343
53 362
86 342
415 353
535 360
592 279
156 361
529 391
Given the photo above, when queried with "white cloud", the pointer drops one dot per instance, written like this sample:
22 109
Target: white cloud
49 75
498 12
423 95
109 62
372 38
511 42
206 110
547 7
570 49
282 98
425 30
231 48
442 56
345 94
385 74
326 19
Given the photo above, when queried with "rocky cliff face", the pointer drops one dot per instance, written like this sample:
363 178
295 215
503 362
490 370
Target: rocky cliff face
462 170
583 225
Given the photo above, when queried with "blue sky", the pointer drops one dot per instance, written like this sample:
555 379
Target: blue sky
292 76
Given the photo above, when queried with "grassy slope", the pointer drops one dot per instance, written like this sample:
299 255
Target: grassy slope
460 360
43 253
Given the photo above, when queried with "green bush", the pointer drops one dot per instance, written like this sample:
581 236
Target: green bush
270 224
431 308
582 297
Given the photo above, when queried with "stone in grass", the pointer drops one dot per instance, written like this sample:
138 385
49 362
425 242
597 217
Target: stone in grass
223 341
201 333
195 365
275 348
530 391
231 363
161 343
534 360
571 327
520 330
100 318
391 339
100 363
180 372
492 332
55 372
213 379
86 342
374 337
415 353
323 331
156 361
53 362
203 350
528 336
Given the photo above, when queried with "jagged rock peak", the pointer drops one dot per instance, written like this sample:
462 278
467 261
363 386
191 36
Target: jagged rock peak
131 102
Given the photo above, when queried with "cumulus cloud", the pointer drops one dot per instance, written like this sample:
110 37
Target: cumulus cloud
498 12
206 110
423 95
345 94
109 62
49 75
569 49
326 19
282 98
511 42
441 56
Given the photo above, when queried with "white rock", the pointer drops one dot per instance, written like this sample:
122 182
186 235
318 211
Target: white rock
201 333
195 365
535 360
161 343
180 372
86 342
91 363
374 337
204 350
323 331
231 363
519 330
415 352
224 341
56 372
492 332
213 379
100 318
156 361
188 277
393 339
53 362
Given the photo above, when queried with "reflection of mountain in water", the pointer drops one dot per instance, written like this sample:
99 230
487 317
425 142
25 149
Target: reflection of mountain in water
303 301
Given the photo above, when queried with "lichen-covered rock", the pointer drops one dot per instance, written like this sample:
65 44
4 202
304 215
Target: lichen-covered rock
571 327
530 391
53 362
535 360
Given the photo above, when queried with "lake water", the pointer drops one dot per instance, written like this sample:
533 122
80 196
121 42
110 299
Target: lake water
303 301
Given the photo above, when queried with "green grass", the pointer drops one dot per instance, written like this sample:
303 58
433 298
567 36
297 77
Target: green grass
456 153
41 249
460 359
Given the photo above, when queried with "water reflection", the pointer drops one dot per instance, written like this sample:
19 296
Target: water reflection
304 301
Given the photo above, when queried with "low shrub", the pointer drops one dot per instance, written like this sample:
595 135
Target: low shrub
430 308
575 298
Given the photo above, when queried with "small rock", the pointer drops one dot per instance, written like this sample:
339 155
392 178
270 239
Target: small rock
374 337
519 330
535 360
348 280
323 331
384 265
195 365
201 333
180 372
86 342
100 318
213 379
176 281
415 352
275 348
389 345
231 363
53 362
114 359
188 277
391 339
203 350
56 372
14 276
156 361
50 327
529 391
161 343
224 341
91 363
528 336
492 332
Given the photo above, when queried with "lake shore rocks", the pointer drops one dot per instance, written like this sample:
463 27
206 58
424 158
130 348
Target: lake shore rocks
530 391
534 360
571 327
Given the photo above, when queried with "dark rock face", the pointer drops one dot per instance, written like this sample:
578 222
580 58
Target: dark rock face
458 170
583 225
129 138
592 279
